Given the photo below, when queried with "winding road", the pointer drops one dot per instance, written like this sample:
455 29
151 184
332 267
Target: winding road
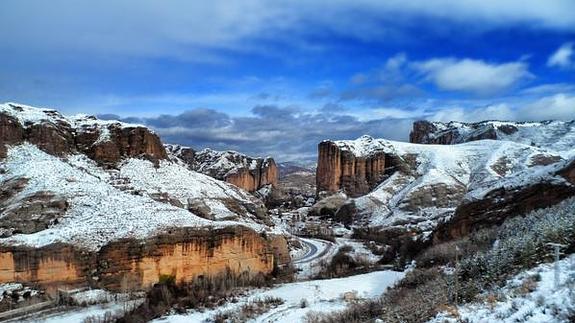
316 248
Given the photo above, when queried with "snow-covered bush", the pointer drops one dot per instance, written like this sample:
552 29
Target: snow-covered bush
521 242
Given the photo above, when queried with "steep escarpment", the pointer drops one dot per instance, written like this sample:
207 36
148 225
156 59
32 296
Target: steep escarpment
106 142
249 173
181 253
340 168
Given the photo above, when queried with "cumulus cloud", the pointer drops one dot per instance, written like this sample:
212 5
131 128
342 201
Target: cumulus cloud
475 76
560 106
490 112
562 57
555 107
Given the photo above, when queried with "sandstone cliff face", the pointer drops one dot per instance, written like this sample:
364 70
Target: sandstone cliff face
248 173
182 253
123 142
253 179
105 142
339 169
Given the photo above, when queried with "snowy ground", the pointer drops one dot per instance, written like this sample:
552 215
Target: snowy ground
529 297
94 311
320 295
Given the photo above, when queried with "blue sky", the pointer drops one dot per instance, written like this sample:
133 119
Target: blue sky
276 77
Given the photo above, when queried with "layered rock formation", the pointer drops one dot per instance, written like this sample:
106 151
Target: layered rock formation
248 173
508 196
181 253
340 168
106 142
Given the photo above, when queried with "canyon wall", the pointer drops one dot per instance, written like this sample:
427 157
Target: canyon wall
123 142
182 253
339 169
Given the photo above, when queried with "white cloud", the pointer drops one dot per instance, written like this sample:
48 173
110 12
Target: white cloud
475 76
500 111
560 106
562 57
555 107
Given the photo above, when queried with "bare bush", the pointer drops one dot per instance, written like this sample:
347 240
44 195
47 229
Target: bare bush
202 292
248 311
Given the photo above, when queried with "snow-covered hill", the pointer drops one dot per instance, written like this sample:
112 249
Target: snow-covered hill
67 196
558 136
428 182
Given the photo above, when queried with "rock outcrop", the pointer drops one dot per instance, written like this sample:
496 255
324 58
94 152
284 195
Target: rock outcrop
182 253
425 132
248 173
120 142
11 132
339 168
106 142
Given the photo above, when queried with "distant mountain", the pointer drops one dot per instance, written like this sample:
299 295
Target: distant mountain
287 168
555 135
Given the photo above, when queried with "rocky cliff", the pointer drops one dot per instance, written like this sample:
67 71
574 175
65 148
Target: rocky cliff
106 142
137 264
249 173
340 167
513 192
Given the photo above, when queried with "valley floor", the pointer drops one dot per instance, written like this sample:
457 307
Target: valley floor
301 298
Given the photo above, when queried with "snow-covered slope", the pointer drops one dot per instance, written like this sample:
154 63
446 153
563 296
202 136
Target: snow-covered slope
428 182
98 212
56 189
558 136
532 296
